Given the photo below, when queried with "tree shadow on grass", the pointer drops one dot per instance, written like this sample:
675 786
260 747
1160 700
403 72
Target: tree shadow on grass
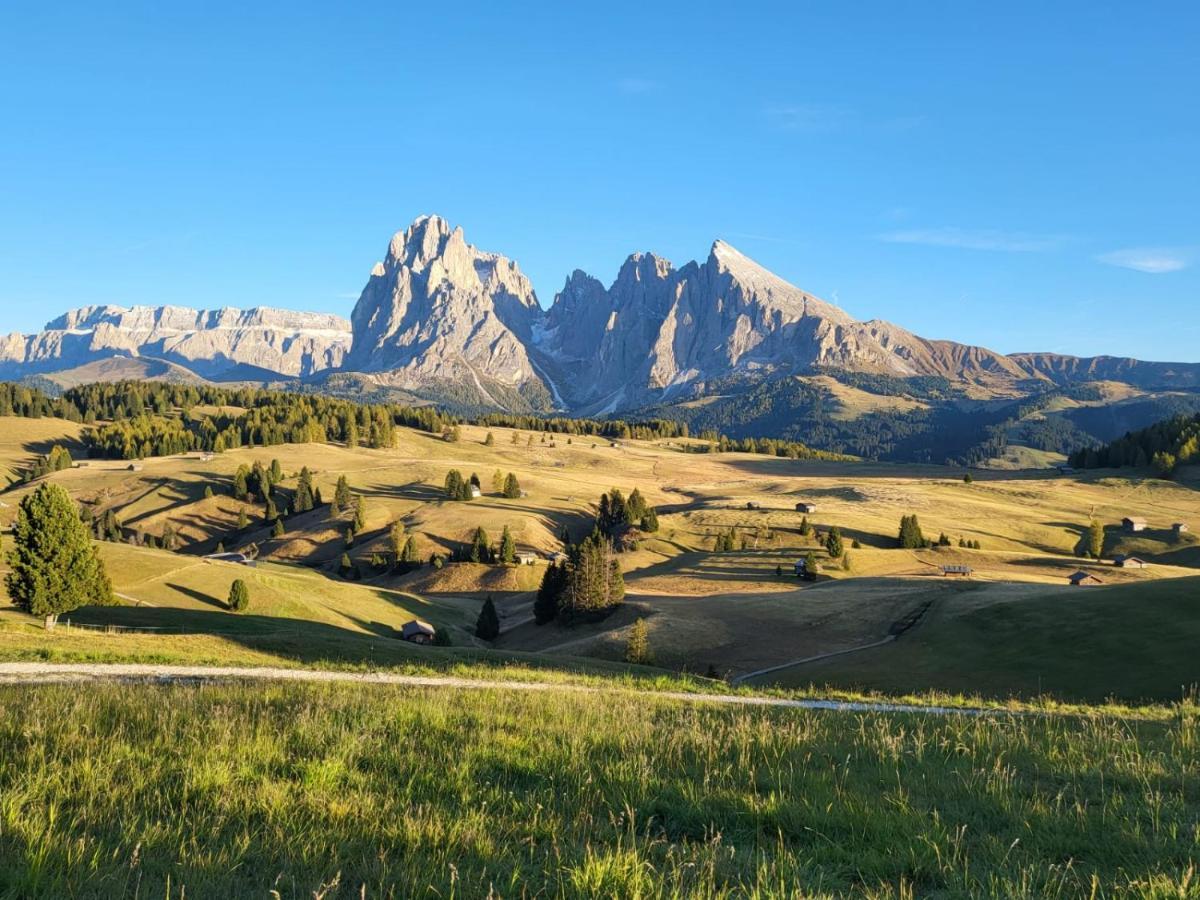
200 596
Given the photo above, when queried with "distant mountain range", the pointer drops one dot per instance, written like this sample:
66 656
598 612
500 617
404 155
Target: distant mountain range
442 321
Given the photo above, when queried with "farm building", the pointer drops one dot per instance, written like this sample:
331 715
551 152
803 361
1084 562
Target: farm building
134 467
959 570
806 507
753 504
417 632
232 557
1133 523
1130 562
1180 528
1084 579
526 558
801 569
475 492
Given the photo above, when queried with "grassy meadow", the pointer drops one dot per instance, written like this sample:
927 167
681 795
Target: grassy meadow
728 613
329 791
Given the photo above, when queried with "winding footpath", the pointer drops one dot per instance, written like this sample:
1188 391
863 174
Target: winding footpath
34 673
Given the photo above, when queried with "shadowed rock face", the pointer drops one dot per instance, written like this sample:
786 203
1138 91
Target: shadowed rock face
207 342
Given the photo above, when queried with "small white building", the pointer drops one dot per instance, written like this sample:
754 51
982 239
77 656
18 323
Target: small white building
475 492
525 557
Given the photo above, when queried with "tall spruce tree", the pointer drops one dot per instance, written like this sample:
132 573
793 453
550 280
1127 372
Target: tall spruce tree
550 593
508 547
512 487
304 492
342 498
54 566
487 626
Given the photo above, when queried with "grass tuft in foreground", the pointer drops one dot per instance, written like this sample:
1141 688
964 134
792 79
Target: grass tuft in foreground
239 790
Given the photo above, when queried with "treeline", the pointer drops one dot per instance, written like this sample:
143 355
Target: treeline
139 419
1163 446
31 403
652 429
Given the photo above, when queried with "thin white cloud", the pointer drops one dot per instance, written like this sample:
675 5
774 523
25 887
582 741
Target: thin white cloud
632 85
809 118
1152 260
1008 242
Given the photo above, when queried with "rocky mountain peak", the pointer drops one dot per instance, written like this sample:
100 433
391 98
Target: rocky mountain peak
440 311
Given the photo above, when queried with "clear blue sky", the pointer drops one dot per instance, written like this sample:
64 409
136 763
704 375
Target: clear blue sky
1018 175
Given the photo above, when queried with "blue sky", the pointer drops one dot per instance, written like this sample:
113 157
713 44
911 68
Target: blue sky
1018 175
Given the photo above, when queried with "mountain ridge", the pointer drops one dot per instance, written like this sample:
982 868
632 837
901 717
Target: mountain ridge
444 321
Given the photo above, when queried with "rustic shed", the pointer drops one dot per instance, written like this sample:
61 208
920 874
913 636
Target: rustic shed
417 632
1133 523
1130 562
959 570
806 507
1084 579
526 557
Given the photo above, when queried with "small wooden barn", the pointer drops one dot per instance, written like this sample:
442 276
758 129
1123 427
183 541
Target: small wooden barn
1133 524
1180 528
800 567
806 507
957 570
1130 562
417 632
525 557
1084 579
753 504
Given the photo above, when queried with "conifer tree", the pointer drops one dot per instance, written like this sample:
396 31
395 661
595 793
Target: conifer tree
649 521
480 550
637 650
1095 539
409 554
550 593
490 440
487 626
239 596
304 492
278 530
833 543
512 487
508 547
342 498
360 513
54 566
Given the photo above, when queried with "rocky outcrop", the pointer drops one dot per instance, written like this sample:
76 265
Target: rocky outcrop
212 343
446 320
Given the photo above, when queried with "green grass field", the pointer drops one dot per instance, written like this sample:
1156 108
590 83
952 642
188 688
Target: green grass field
1130 643
324 791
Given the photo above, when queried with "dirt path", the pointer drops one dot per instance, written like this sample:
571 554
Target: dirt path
32 673
741 679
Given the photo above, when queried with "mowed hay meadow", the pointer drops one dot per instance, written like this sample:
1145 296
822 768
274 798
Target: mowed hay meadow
302 791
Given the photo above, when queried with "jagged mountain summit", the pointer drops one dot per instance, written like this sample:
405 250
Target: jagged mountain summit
445 320
440 320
